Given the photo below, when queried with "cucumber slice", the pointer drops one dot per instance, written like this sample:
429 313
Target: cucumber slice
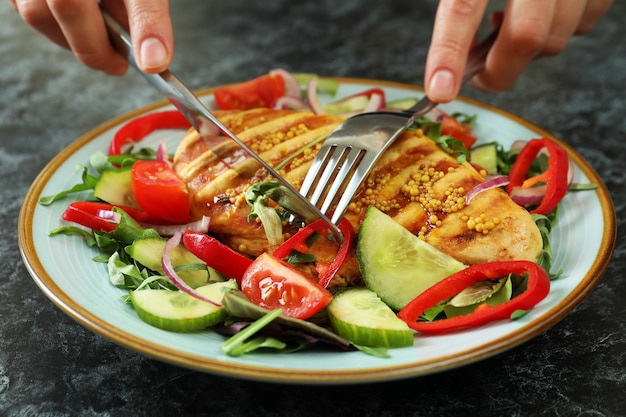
179 312
360 316
114 187
500 296
348 105
324 85
396 264
485 156
149 252
402 103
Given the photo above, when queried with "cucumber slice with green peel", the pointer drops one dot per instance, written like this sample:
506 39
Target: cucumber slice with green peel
502 295
149 252
324 85
114 187
485 156
348 105
402 103
359 315
179 312
396 264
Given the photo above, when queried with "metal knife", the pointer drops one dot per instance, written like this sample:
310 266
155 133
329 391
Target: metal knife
244 163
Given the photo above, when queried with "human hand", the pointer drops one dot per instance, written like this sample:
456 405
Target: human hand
529 29
78 25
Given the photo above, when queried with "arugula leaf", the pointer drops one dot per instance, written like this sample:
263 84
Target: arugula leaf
582 187
379 352
238 306
454 147
74 231
124 275
448 144
465 118
255 343
545 224
272 223
238 344
88 183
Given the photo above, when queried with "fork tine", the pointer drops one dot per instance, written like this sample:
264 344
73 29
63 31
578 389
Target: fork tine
354 155
330 165
315 170
358 176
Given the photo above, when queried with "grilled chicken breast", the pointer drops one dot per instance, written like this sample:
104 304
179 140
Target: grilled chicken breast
415 182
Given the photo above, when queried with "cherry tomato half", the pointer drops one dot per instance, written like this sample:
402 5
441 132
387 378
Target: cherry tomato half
160 192
271 283
259 92
450 126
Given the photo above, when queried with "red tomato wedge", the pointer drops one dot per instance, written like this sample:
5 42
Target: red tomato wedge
160 192
259 92
271 283
450 126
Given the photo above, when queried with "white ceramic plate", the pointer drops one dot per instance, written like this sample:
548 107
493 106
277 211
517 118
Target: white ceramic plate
583 242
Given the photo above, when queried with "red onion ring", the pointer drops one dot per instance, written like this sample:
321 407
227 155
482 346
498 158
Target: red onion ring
312 98
109 216
161 152
292 88
168 268
492 181
533 195
288 102
375 104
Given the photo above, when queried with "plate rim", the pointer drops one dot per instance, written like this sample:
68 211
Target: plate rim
96 324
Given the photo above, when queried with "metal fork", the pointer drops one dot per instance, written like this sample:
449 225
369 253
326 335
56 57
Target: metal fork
350 152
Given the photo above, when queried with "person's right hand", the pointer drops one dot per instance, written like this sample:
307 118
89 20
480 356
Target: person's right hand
78 25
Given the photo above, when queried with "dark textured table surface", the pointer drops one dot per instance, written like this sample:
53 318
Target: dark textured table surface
52 366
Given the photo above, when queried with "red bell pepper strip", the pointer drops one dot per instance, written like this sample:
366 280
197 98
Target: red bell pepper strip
555 177
85 213
537 289
136 129
298 242
217 255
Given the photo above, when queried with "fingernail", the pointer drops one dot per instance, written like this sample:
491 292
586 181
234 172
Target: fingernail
441 87
152 53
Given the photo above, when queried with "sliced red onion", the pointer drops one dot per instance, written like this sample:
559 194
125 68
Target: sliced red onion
200 226
492 181
375 104
292 88
532 196
161 152
528 196
312 97
288 102
109 216
436 115
168 268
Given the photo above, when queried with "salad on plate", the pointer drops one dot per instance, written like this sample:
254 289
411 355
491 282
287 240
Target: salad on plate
445 235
